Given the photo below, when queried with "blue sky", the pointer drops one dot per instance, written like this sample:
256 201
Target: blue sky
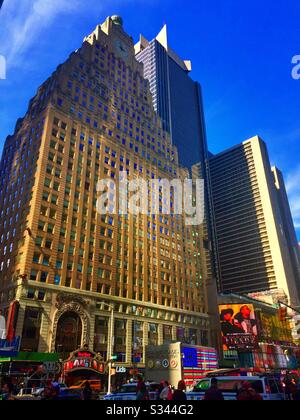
241 54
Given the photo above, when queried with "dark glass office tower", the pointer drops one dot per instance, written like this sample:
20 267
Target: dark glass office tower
176 97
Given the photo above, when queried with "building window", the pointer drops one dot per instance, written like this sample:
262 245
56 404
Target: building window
31 330
41 295
36 258
30 294
101 336
57 280
44 276
33 275
153 334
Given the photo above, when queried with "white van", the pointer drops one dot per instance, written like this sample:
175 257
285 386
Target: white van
129 393
269 388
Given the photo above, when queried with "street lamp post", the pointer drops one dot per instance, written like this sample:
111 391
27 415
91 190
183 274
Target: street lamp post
111 347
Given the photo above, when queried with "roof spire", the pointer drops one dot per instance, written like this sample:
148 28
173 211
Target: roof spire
162 37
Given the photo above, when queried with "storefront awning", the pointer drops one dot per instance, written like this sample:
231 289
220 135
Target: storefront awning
32 357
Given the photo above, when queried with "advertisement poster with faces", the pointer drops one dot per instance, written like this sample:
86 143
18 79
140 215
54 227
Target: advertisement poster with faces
238 327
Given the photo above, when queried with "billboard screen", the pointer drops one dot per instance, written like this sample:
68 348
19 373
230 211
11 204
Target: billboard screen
196 362
272 329
10 348
238 327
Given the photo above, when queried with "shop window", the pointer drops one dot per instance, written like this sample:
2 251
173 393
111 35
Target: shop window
153 334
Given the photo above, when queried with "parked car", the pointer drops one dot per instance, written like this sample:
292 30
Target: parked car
39 392
69 394
26 394
128 392
269 388
95 385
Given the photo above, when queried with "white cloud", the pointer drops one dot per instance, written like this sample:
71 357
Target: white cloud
22 22
293 190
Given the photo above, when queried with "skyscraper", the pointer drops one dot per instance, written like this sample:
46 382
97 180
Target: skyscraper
176 97
64 262
253 228
287 224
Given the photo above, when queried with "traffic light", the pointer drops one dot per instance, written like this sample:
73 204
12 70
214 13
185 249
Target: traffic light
114 358
282 314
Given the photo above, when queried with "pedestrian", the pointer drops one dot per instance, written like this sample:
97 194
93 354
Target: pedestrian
213 393
297 393
159 390
166 394
7 392
87 392
247 393
179 393
141 390
50 391
289 386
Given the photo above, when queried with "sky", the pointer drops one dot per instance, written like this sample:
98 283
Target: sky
241 53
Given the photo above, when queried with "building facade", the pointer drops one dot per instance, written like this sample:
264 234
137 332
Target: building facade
251 230
65 263
288 225
176 97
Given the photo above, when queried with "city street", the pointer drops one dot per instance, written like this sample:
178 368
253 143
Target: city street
149 203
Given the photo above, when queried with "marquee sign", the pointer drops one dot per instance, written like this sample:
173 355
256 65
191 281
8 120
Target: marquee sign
84 359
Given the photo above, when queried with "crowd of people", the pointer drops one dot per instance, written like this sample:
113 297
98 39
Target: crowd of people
51 391
165 392
247 392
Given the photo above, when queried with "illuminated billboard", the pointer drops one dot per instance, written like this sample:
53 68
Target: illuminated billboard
272 329
238 327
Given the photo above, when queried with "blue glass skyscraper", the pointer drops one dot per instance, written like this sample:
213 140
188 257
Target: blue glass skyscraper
176 97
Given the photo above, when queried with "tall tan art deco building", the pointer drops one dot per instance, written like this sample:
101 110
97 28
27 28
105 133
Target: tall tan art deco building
255 236
92 119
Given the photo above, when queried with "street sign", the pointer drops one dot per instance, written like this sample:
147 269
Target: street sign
52 367
165 363
10 348
174 364
121 369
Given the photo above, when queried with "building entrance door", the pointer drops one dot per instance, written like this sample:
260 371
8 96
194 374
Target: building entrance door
69 333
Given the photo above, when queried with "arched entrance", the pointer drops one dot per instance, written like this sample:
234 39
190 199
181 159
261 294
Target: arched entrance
69 333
